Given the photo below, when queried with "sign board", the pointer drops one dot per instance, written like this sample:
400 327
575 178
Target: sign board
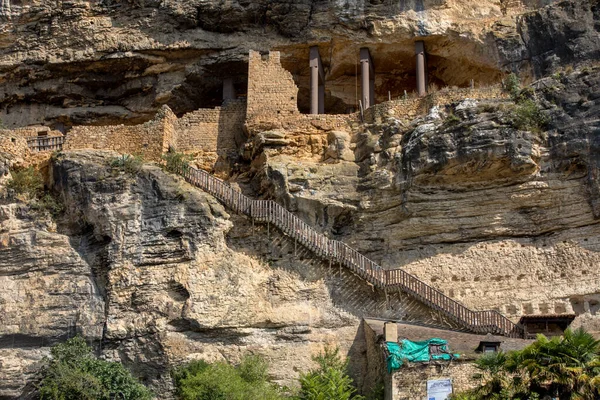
439 389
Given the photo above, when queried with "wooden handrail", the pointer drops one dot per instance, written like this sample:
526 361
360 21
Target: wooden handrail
489 321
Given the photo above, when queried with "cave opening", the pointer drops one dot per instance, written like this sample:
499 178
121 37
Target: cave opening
209 85
394 67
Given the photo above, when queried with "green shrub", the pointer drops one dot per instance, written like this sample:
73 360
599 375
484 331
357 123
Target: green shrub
131 164
253 369
26 183
452 119
199 380
488 107
528 116
330 380
175 161
48 203
512 85
73 373
378 392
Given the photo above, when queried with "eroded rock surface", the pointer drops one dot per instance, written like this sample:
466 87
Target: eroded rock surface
111 62
496 215
153 273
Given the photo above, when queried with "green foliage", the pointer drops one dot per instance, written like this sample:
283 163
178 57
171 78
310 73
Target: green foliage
73 373
48 203
176 162
199 380
377 393
253 369
131 164
26 183
330 381
512 84
452 119
528 116
488 107
566 367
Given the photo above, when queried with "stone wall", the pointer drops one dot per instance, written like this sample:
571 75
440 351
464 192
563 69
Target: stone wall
272 92
33 131
375 360
213 129
411 108
211 132
147 139
410 382
14 145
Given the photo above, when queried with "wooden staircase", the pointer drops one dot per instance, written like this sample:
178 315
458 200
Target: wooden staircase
270 212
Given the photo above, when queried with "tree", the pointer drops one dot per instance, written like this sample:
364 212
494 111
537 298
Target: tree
73 373
330 381
567 366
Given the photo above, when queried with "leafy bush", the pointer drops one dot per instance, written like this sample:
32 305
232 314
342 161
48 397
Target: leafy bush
199 380
175 162
377 393
452 119
330 380
26 183
512 85
131 164
48 203
74 373
528 116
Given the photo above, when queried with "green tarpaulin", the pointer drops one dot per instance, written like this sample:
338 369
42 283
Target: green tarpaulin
417 352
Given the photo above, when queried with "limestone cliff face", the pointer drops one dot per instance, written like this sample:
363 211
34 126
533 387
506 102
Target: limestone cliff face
154 272
107 62
495 215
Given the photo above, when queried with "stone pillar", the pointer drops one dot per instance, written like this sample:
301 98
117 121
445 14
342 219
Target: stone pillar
228 89
321 99
367 87
314 89
390 332
421 79
317 82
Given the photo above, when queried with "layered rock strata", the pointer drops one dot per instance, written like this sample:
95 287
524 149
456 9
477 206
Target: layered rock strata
111 62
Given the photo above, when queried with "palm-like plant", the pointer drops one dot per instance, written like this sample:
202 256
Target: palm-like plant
567 367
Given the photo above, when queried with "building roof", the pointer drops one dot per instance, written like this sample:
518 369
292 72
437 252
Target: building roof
547 318
463 343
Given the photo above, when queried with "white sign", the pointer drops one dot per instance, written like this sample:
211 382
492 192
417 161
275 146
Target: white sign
439 389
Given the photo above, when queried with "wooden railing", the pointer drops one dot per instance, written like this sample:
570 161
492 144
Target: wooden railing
45 143
272 213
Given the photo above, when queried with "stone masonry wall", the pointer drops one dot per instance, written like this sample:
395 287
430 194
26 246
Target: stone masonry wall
410 381
147 139
212 130
272 92
13 144
413 107
33 131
